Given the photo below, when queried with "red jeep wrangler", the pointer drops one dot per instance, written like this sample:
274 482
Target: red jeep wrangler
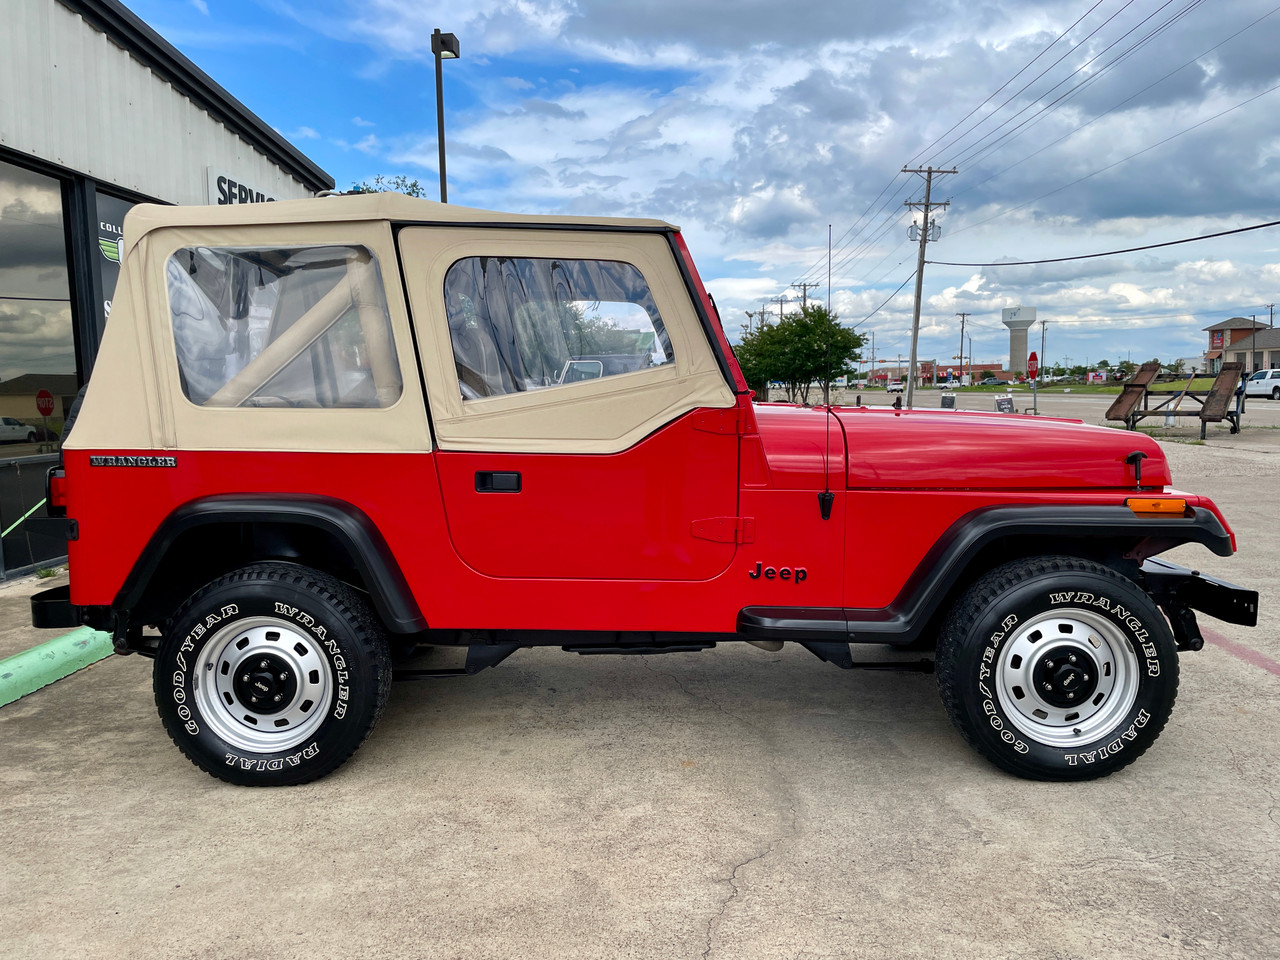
321 429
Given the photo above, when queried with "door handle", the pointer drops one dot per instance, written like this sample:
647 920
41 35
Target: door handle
498 481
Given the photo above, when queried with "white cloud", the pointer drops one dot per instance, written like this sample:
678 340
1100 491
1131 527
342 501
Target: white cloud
1208 271
361 122
201 5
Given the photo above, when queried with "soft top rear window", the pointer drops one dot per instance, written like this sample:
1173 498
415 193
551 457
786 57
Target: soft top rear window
282 327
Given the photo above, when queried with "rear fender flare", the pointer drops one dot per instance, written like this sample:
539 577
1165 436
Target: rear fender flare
350 526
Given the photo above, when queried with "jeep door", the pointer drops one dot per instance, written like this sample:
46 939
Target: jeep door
578 409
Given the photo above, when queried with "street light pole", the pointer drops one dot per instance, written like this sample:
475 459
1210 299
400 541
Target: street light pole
445 47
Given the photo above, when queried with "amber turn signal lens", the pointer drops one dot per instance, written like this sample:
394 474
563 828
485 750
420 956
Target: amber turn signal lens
1157 506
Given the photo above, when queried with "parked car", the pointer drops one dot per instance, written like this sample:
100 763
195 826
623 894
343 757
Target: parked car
896 386
992 381
1264 383
15 431
390 456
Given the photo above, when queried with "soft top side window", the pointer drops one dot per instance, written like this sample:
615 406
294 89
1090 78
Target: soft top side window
524 323
282 327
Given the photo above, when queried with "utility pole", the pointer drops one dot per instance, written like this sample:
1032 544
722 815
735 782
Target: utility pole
925 206
804 292
962 318
779 301
1271 307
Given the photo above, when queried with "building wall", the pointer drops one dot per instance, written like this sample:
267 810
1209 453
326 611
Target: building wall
73 97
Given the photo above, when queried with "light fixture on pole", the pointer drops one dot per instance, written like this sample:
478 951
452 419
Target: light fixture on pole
445 47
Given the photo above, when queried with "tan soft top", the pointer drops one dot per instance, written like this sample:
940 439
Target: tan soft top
145 217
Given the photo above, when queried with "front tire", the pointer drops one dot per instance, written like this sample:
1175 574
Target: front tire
1057 668
272 675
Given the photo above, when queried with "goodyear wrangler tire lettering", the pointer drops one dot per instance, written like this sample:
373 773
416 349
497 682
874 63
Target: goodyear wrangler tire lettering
1057 668
279 686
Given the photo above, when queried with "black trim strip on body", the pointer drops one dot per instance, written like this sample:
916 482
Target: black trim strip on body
902 621
368 551
708 328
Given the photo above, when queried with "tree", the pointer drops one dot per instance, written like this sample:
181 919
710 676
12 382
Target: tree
800 350
397 184
1104 364
759 355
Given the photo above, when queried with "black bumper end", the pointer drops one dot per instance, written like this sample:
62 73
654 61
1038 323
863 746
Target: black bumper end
1171 585
53 608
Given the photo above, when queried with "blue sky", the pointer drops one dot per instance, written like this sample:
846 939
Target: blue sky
754 125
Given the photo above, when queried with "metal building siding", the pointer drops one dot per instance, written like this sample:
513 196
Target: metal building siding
70 95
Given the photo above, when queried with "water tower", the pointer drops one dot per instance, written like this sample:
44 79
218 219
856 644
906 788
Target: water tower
1018 320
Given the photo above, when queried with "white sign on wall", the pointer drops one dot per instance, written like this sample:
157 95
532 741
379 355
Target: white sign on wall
223 188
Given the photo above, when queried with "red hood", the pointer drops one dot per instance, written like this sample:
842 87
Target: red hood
933 449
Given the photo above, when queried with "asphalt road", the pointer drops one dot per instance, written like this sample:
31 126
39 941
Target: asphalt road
733 803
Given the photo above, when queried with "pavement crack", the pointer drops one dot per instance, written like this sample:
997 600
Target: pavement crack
788 831
732 880
644 661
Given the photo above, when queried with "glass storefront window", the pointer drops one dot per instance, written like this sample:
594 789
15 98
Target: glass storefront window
37 353
37 346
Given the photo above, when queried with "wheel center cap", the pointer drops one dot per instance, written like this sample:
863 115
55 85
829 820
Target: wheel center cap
1065 676
265 683
1069 679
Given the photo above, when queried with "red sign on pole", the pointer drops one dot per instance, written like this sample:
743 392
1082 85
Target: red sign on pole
44 403
1033 365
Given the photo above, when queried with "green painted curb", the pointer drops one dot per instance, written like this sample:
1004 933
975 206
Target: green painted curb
28 671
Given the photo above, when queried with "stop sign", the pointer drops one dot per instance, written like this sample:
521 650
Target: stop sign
1033 365
44 403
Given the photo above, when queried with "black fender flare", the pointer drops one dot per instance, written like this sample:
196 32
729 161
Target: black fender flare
367 549
946 561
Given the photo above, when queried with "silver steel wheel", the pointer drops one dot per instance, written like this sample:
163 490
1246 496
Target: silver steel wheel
262 685
1067 677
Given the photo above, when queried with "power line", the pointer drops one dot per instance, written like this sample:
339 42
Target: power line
1109 110
1108 253
840 244
888 298
1025 86
978 151
1089 176
919 154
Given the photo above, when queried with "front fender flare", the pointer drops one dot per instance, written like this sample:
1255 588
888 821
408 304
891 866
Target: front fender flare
946 561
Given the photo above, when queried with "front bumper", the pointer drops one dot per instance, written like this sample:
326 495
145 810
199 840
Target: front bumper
1179 591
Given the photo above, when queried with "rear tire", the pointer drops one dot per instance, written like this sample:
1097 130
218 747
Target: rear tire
1275 393
1057 668
272 675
